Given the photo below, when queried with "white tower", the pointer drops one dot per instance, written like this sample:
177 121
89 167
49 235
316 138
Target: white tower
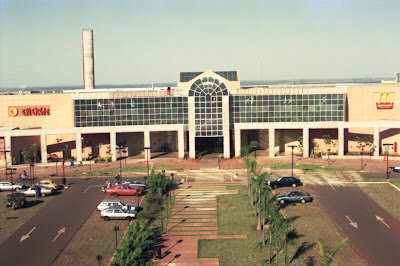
88 59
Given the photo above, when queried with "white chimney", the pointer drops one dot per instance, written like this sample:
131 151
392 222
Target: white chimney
88 59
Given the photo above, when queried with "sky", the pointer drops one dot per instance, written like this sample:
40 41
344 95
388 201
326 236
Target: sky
152 41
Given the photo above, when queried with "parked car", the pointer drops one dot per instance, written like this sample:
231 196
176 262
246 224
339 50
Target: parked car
294 196
106 204
49 184
124 190
133 183
285 181
396 169
118 213
15 200
44 191
8 185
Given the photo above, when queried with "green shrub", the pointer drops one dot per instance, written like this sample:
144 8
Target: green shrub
245 151
135 245
159 181
108 159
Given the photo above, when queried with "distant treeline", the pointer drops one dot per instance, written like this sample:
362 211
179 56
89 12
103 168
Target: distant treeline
243 82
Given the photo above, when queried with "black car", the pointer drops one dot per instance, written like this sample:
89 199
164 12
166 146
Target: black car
294 196
285 181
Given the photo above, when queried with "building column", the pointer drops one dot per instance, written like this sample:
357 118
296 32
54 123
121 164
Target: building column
376 141
181 143
113 145
227 144
43 148
306 142
341 141
192 145
8 155
226 131
78 145
237 142
147 145
271 136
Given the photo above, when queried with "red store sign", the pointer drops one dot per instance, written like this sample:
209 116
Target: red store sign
29 110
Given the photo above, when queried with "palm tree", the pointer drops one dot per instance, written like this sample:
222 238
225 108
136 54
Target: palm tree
327 255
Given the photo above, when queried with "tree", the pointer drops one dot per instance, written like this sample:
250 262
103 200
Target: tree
328 141
327 254
300 146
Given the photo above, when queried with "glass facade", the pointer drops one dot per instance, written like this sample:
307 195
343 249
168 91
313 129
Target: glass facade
208 92
131 111
286 108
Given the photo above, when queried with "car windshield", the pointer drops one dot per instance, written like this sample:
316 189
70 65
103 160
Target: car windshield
123 204
279 179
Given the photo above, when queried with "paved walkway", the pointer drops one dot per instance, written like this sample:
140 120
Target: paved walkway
193 217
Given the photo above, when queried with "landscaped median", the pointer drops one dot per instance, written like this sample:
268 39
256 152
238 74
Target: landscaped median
310 168
130 169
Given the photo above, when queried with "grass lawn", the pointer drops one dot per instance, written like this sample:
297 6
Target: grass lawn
11 220
129 169
396 182
385 195
311 168
236 217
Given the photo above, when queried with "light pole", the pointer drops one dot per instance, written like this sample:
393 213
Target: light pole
387 145
116 229
120 161
147 149
292 146
90 162
63 164
362 153
328 155
99 258
5 157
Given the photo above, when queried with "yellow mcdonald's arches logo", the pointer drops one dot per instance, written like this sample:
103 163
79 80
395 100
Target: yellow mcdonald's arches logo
384 101
13 111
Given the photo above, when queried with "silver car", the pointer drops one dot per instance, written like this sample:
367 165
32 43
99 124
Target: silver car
44 191
8 185
106 204
118 213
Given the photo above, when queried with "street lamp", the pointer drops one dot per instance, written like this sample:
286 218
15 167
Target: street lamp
387 145
328 155
99 258
5 157
120 160
90 162
362 153
147 149
292 146
116 229
63 164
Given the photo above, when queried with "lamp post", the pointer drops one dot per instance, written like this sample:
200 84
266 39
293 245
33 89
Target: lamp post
292 146
116 229
58 142
387 145
147 149
362 153
328 155
63 164
90 162
120 160
99 258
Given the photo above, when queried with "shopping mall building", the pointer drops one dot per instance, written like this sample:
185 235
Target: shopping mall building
206 112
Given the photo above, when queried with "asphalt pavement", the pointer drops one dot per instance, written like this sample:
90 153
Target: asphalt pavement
42 238
372 231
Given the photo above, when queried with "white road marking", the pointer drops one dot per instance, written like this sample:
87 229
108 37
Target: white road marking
27 235
91 187
352 223
382 220
61 231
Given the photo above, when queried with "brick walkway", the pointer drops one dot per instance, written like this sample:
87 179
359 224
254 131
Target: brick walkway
194 217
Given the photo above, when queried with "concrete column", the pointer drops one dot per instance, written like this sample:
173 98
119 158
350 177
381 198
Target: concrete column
306 142
192 145
8 155
78 145
341 141
113 146
181 143
43 148
227 135
237 142
147 144
227 144
376 141
271 135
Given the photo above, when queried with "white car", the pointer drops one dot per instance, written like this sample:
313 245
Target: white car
43 191
8 185
396 169
106 204
118 213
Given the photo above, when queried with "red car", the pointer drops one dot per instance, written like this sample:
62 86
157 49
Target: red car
124 190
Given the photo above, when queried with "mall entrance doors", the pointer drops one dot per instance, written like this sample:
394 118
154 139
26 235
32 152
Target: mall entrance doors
209 145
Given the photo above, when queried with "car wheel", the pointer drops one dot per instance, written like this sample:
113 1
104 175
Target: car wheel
115 194
275 186
106 218
128 218
294 185
13 206
303 201
282 202
23 203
